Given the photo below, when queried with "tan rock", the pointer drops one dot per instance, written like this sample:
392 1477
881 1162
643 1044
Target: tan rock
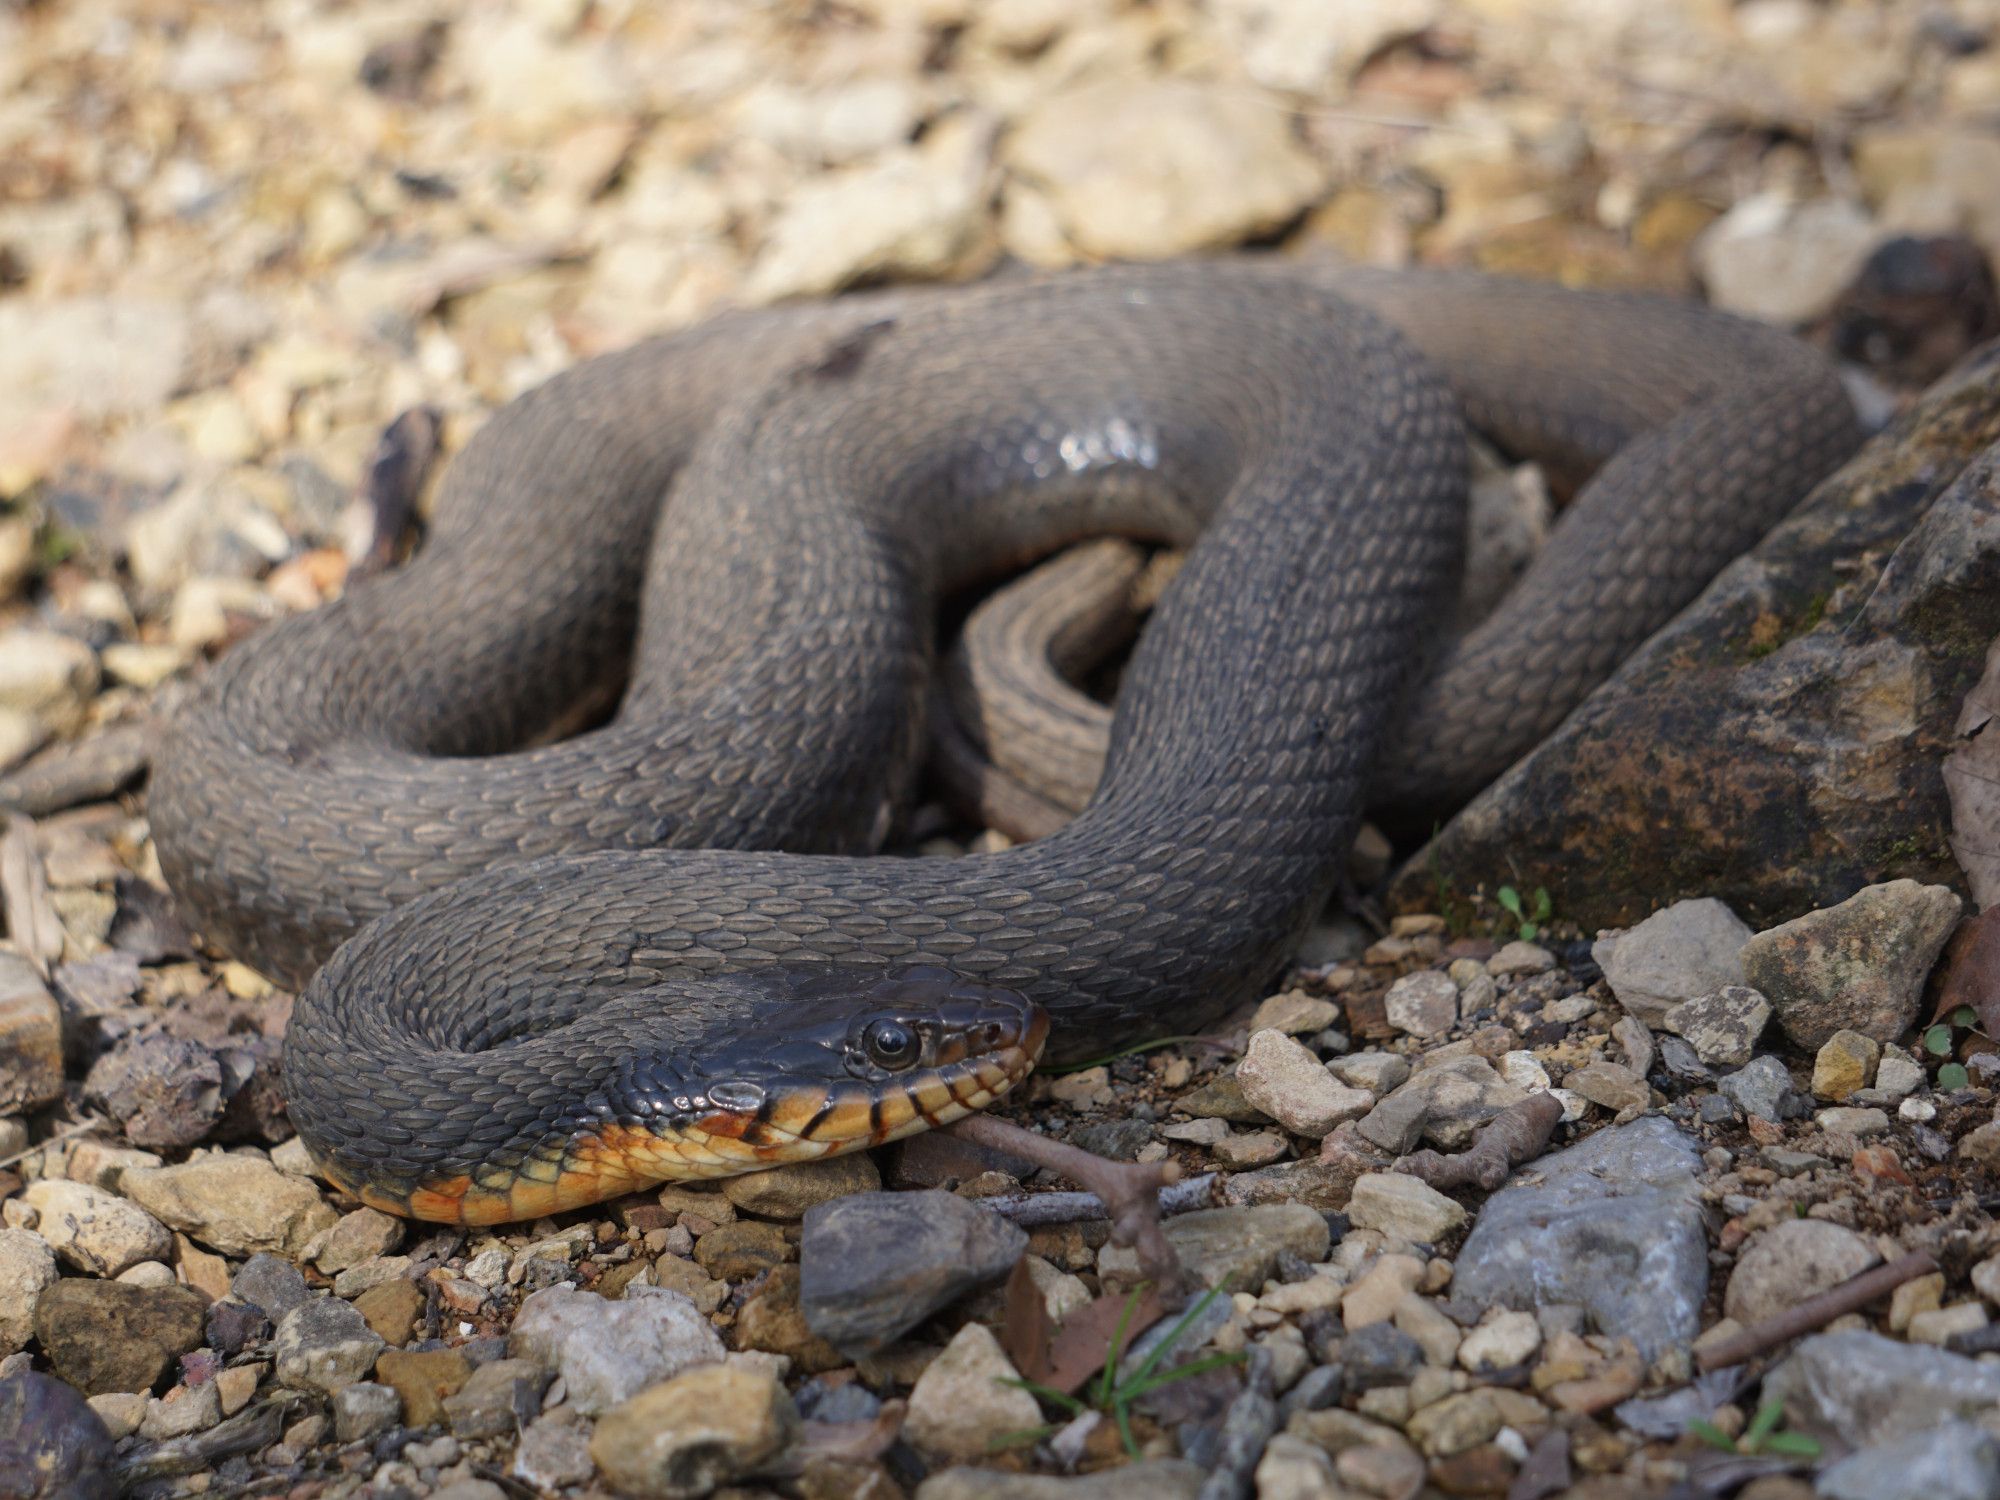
960 1404
1844 1065
1144 168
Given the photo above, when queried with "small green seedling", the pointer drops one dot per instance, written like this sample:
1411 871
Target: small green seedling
1107 1393
1939 1041
1530 920
1761 1438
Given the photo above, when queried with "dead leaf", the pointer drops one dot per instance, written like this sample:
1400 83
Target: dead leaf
24 896
1969 973
1025 1330
1083 1343
1972 782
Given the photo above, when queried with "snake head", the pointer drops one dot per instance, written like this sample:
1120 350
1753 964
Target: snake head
839 1058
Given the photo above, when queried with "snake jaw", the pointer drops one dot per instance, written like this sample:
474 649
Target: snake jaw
812 1098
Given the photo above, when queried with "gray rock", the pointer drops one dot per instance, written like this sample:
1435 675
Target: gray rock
1242 1244
323 1345
1295 1013
275 1285
363 1409
607 1352
1676 955
1157 1478
874 1265
1956 1460
356 1237
498 1400
182 1412
27 1267
1520 958
1681 1059
554 1452
1758 1088
1899 1074
1377 1072
1397 1123
1864 1389
165 1091
1859 966
1458 1097
1379 1354
916 212
1722 1027
1791 1261
52 1445
1221 1098
1612 1224
1714 1109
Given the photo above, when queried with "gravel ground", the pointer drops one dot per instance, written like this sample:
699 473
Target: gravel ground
236 242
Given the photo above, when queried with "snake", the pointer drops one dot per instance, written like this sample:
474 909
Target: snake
542 964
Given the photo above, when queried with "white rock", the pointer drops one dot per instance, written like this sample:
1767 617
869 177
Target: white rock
1688 949
1422 1004
917 213
1144 168
1287 1082
1503 1341
98 356
48 675
1898 1074
1299 45
607 1352
1781 261
1524 1070
1404 1206
95 1231
27 1268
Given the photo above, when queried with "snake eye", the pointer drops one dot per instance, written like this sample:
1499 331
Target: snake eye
890 1044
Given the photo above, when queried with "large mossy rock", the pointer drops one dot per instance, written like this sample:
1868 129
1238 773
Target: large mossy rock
1778 744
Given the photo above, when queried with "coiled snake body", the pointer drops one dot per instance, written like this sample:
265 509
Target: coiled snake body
651 950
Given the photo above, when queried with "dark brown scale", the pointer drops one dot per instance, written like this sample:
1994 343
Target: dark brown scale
617 894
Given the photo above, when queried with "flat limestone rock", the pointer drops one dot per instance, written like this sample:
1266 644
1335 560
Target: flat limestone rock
1613 1225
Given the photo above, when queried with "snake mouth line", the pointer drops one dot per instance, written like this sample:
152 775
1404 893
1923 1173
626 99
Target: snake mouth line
803 1123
